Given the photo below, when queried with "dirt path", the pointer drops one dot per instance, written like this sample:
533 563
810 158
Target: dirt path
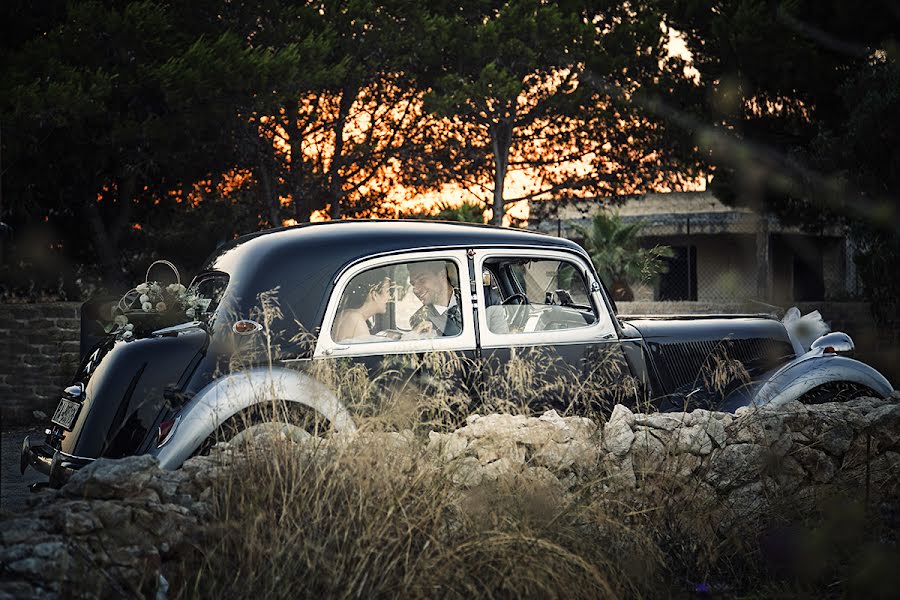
14 486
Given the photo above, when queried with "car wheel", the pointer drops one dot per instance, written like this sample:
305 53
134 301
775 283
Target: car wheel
271 431
836 391
276 420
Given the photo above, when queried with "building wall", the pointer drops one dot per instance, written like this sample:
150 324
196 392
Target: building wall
38 356
726 246
726 266
834 267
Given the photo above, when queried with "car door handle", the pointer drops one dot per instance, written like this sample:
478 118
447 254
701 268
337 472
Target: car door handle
331 350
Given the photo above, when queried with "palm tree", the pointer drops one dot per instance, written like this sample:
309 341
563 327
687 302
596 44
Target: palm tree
615 250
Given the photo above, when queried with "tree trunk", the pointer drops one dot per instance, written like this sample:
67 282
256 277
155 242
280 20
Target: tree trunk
302 204
335 178
125 187
271 200
106 248
107 237
501 139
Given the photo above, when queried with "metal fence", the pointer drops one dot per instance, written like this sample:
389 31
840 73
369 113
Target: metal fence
708 272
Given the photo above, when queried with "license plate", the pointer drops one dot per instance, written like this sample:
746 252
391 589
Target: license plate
66 413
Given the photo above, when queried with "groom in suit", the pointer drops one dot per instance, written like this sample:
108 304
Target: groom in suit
440 312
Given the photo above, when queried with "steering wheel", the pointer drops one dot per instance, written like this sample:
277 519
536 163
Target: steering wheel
518 316
516 299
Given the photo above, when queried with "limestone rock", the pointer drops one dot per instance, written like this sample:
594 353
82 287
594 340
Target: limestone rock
114 478
501 467
466 471
884 423
665 421
19 530
620 471
558 457
448 446
647 451
617 433
714 427
756 426
735 465
789 473
489 450
747 502
836 439
816 463
127 516
685 465
543 477
569 427
692 440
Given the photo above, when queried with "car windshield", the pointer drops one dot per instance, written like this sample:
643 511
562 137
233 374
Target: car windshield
209 287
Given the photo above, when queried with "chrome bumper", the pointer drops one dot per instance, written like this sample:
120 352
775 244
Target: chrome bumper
58 466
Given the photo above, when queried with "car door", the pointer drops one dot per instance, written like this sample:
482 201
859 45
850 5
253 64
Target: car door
546 335
393 335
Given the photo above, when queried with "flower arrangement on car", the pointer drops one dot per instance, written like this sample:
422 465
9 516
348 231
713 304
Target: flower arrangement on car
153 305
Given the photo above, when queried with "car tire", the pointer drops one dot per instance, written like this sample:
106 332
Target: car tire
275 420
836 391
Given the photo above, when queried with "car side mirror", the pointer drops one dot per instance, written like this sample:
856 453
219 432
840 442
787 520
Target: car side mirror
835 342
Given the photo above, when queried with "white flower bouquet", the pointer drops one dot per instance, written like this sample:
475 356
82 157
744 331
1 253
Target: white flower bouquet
154 305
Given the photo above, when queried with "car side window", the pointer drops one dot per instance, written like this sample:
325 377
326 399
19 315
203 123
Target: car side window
402 301
538 294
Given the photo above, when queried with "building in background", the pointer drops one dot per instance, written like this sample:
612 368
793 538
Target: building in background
722 253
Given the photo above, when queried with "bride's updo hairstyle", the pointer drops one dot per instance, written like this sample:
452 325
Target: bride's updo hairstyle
361 286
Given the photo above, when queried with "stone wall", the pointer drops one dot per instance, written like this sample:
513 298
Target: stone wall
38 356
126 518
739 462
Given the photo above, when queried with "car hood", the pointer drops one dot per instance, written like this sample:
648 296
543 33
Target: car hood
125 383
686 349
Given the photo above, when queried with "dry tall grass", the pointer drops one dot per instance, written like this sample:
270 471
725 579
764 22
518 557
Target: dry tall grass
385 519
385 522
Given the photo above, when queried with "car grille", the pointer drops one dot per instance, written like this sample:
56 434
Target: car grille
686 363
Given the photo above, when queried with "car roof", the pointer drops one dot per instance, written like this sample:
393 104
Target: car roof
335 244
356 238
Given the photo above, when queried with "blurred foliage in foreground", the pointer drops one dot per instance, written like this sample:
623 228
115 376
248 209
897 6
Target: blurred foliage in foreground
801 117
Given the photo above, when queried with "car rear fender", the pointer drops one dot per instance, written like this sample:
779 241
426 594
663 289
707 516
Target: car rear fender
816 368
233 393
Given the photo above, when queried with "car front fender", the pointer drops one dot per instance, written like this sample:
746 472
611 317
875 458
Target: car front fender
228 395
814 369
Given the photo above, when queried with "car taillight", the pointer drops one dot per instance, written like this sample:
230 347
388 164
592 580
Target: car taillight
166 428
246 327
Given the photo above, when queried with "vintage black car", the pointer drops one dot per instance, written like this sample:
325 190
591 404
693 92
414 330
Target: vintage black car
363 291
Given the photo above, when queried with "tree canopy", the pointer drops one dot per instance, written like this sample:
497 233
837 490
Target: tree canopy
171 127
539 91
118 105
786 80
